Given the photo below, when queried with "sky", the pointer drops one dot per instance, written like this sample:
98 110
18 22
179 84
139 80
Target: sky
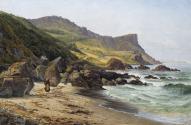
163 26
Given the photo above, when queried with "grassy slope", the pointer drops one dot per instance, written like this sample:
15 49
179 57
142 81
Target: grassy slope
20 33
92 48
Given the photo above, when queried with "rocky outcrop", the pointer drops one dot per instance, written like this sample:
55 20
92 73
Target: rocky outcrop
17 80
115 64
143 67
150 77
164 68
136 82
86 78
52 73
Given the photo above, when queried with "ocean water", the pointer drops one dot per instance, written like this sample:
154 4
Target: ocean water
165 100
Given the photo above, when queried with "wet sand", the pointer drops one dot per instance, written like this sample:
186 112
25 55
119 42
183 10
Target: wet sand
66 105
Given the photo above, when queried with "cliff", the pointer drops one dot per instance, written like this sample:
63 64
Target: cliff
95 47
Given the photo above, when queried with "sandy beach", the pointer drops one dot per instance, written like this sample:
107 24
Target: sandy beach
65 106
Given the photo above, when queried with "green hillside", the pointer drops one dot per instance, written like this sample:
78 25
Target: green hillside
19 39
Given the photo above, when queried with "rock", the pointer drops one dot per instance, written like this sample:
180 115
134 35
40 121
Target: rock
93 79
164 68
150 77
136 82
120 81
40 72
115 64
16 87
17 80
112 75
106 82
52 73
86 78
143 67
21 69
76 79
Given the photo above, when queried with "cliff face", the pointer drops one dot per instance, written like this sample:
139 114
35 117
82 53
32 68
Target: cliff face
19 39
69 32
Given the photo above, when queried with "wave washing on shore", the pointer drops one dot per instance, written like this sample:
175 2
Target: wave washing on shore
165 100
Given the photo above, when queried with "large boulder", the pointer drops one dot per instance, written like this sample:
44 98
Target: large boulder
106 82
164 68
115 64
76 79
21 69
86 78
17 80
16 87
93 79
150 77
52 73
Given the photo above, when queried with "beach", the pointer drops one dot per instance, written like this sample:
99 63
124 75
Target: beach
64 105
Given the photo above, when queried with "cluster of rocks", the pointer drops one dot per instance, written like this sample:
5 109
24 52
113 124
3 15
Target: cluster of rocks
17 80
164 68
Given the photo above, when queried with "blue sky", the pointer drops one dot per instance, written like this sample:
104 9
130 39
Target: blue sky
163 26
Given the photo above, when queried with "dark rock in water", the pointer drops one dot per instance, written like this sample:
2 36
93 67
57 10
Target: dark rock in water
163 77
106 82
120 81
164 68
136 82
112 75
52 73
150 77
143 67
116 64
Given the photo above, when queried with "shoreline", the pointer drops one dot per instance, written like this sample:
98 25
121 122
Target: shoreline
65 105
115 105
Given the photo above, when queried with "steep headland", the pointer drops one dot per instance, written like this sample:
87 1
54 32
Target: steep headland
95 48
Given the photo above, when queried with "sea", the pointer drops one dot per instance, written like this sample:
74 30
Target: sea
165 100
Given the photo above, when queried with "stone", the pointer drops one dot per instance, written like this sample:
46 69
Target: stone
164 68
136 82
52 73
115 64
150 77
